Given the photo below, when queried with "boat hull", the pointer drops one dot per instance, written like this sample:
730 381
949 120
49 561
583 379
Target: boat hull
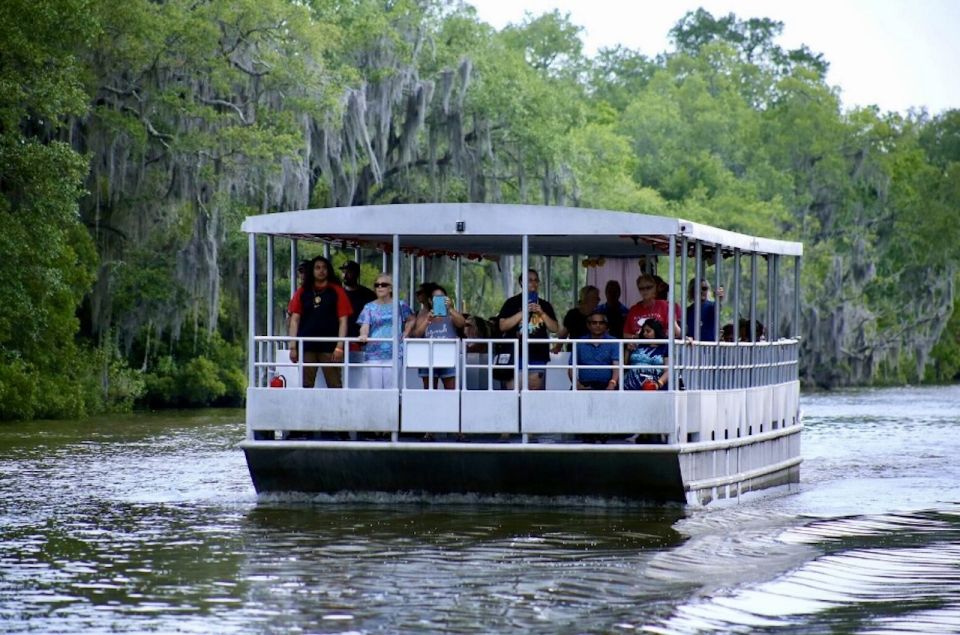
628 472
689 473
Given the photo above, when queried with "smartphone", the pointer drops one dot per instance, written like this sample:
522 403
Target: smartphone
533 298
440 306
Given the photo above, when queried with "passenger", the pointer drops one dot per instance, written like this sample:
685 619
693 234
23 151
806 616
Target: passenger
663 289
648 355
708 311
301 268
613 308
575 321
744 331
302 271
726 333
597 354
359 296
649 307
439 327
543 321
376 320
320 308
476 327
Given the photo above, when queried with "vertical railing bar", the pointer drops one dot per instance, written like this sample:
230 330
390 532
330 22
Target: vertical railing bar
251 308
671 320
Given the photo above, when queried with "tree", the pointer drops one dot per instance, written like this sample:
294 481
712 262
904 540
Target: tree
47 255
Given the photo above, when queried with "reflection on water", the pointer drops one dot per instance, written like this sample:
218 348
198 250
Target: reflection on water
149 523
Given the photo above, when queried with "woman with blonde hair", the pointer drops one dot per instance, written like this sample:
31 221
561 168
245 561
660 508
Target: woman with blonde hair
376 320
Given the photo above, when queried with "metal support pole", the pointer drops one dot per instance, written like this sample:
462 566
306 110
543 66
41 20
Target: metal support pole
684 327
684 250
251 308
326 251
754 273
524 337
796 298
736 318
293 268
398 328
269 273
771 297
395 273
671 301
575 276
717 322
459 284
548 277
775 327
412 299
697 312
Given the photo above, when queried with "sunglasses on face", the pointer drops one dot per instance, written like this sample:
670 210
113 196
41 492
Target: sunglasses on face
600 322
645 288
382 285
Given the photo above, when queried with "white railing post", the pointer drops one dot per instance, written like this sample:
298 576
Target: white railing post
251 308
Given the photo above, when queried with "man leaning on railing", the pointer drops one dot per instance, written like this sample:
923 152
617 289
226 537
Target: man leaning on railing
319 308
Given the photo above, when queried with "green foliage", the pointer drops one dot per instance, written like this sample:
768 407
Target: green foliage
200 371
48 258
946 354
194 115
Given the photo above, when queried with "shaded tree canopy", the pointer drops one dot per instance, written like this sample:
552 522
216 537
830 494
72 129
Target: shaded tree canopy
135 136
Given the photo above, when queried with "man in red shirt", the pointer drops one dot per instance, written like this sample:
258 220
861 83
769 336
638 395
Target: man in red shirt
319 308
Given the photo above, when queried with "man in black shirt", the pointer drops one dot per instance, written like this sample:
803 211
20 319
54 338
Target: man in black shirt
359 296
543 320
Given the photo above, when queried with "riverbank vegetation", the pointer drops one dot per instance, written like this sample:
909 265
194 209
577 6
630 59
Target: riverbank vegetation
135 136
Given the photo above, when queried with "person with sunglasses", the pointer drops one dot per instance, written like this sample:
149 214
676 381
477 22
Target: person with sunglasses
708 310
542 320
595 353
376 320
649 306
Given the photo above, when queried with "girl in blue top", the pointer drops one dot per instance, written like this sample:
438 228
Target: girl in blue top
648 355
438 327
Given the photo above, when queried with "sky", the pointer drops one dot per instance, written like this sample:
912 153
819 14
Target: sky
894 54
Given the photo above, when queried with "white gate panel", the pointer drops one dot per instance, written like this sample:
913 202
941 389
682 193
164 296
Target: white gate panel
601 412
430 411
489 411
297 409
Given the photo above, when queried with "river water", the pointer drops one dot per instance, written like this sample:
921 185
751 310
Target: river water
150 523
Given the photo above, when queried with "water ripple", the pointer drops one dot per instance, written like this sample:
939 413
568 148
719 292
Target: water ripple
884 574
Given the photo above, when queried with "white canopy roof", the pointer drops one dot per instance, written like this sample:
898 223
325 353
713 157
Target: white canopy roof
482 228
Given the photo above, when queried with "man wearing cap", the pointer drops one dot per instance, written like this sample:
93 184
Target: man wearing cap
359 297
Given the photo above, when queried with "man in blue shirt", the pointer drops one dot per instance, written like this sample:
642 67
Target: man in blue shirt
708 311
597 354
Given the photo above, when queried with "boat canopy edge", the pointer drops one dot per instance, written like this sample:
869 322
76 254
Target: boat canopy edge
491 219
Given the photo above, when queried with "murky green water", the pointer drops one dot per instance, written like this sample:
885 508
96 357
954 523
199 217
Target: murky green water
149 523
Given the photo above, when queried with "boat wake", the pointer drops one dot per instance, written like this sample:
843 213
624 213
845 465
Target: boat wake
891 573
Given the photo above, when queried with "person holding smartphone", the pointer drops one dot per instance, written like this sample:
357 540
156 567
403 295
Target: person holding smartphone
542 322
438 319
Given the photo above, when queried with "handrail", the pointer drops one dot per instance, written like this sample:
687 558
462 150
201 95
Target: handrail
703 365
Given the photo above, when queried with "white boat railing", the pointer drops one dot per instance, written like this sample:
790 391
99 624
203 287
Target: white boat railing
480 364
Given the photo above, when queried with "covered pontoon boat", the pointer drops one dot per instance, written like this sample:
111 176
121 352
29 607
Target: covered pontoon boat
730 423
